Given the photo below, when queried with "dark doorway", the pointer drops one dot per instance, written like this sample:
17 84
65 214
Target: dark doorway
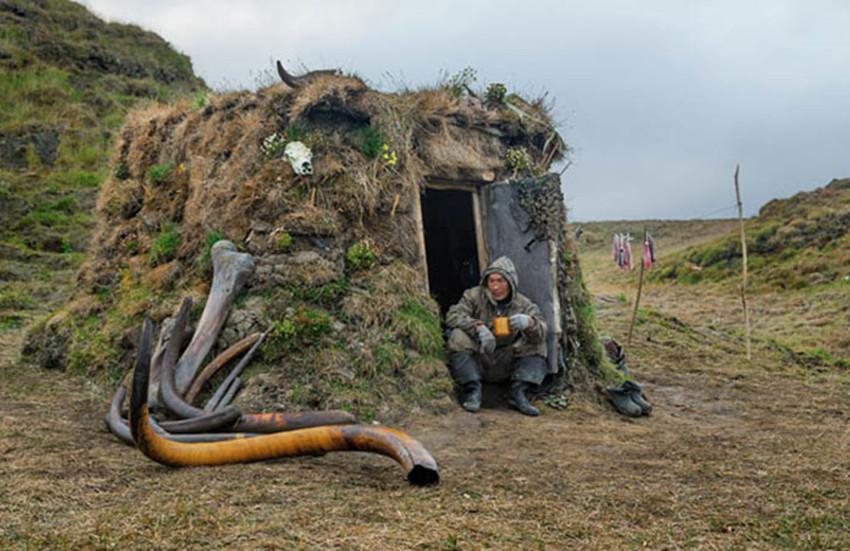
450 245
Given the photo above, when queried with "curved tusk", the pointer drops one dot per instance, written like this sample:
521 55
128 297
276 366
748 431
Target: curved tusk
119 427
420 467
256 422
220 361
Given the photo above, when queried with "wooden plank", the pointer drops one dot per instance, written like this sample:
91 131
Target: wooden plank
420 235
480 237
444 186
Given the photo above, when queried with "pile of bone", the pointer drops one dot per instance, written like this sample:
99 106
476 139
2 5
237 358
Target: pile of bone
169 379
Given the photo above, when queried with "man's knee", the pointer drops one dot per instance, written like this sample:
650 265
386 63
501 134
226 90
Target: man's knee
530 369
459 341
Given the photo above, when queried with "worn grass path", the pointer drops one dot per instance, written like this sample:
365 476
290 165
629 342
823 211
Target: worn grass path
735 456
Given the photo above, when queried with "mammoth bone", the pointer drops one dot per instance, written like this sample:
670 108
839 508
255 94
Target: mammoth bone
247 422
194 438
230 270
419 466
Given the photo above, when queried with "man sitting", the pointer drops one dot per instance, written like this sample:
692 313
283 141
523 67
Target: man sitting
476 354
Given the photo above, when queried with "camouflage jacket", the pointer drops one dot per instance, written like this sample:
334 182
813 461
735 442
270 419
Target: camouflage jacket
478 306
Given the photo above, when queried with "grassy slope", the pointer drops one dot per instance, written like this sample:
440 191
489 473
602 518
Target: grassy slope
798 259
67 80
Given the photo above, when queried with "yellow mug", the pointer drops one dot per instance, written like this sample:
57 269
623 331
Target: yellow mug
501 327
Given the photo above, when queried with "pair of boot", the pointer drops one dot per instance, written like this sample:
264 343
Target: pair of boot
627 399
471 398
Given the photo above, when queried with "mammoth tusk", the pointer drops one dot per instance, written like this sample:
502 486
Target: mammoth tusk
420 467
228 397
214 366
225 386
257 422
231 270
119 427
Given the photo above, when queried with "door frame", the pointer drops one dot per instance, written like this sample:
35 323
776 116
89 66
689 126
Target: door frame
477 214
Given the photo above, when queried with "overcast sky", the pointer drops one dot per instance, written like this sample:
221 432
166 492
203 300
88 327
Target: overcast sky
659 99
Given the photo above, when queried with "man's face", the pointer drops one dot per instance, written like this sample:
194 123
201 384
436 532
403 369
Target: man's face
499 286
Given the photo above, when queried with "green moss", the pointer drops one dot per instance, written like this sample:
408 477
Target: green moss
159 173
419 328
165 244
212 237
302 329
122 171
11 322
327 295
371 142
389 358
284 242
15 298
360 256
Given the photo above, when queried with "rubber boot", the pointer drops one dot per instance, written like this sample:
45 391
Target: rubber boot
471 400
519 401
633 390
623 403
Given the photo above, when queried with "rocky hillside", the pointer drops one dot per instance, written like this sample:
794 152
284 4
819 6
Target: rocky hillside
67 81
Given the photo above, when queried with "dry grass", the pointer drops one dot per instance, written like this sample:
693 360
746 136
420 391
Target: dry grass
735 456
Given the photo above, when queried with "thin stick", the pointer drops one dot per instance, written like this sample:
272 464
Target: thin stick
744 266
637 298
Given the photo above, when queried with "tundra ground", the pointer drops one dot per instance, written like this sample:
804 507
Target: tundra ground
737 454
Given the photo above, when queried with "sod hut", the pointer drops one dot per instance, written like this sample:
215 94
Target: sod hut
358 252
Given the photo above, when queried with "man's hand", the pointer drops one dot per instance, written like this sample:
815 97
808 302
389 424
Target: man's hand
487 340
520 321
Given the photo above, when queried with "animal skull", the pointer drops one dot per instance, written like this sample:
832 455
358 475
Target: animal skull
300 157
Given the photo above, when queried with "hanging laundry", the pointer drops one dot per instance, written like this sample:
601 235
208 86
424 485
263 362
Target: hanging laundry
648 251
652 249
621 251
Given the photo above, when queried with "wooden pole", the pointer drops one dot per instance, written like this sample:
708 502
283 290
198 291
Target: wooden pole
637 298
744 266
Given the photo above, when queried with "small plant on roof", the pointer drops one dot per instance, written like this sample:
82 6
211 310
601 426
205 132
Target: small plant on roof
273 146
496 94
371 142
360 256
518 159
159 173
459 82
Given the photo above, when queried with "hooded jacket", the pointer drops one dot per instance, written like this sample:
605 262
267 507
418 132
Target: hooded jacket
478 306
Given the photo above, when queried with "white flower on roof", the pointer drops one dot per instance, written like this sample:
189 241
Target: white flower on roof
300 157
